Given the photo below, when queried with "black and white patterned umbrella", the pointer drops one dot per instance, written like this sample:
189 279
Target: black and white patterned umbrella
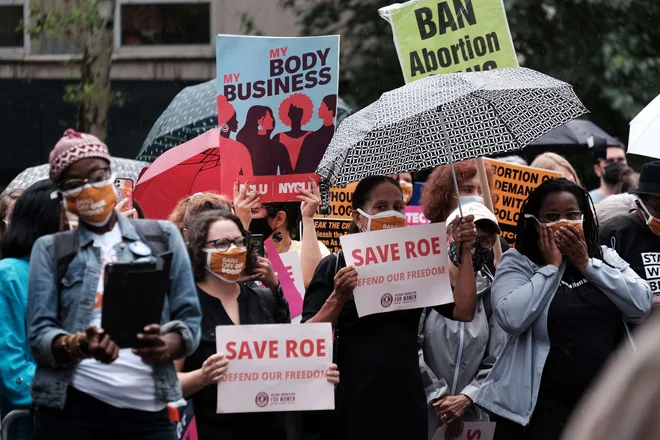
192 112
125 168
446 118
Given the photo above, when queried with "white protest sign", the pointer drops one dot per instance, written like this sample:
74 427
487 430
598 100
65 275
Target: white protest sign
276 367
291 261
399 269
471 431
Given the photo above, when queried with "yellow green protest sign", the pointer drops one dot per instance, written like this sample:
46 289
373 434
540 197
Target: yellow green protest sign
447 36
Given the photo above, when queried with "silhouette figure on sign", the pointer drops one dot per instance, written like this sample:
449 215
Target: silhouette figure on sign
295 112
269 157
315 144
238 157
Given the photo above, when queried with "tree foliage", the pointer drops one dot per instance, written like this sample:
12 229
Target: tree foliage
92 22
607 49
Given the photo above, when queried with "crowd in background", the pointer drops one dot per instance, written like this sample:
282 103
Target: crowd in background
521 344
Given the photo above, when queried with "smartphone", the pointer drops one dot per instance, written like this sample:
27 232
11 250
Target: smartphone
124 190
257 242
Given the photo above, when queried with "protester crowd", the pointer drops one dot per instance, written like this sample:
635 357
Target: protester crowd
523 340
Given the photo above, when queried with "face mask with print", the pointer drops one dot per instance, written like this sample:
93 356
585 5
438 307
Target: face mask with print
464 200
93 204
407 190
652 222
226 265
384 220
556 225
479 256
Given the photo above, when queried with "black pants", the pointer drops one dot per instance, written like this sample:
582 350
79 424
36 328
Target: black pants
86 418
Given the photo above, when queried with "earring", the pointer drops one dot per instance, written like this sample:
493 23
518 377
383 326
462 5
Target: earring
277 237
224 128
260 127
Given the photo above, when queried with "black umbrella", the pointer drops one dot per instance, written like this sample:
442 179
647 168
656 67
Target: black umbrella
575 132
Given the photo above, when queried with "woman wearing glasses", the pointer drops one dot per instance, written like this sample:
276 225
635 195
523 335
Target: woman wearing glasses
220 252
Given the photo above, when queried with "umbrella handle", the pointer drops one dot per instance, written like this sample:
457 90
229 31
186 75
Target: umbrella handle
324 188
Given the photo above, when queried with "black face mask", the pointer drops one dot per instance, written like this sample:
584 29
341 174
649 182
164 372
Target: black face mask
261 226
613 173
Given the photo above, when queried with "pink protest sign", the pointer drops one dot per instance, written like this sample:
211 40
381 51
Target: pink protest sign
415 216
293 297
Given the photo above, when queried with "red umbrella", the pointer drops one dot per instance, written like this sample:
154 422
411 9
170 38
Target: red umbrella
184 170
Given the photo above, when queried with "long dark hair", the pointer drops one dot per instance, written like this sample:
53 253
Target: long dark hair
35 214
292 211
528 236
362 194
250 130
198 236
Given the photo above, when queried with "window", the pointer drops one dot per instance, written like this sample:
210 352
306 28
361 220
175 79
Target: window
11 16
165 23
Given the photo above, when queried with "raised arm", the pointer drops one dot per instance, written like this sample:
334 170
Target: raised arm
310 252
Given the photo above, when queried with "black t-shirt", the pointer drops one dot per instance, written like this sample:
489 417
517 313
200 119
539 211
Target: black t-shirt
636 244
213 426
584 328
380 394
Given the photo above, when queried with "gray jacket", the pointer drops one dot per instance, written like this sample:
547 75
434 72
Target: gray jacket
457 356
521 296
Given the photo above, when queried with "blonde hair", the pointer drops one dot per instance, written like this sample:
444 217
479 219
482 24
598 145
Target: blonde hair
190 207
552 162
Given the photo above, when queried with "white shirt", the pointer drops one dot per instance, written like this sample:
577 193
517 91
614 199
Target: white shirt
127 382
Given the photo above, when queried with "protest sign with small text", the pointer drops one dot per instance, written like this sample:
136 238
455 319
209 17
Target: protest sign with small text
399 271
330 228
275 367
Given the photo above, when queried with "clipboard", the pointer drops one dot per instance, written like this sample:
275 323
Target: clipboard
133 297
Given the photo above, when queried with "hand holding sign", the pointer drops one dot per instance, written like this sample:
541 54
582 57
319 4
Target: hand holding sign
345 282
310 198
214 368
244 202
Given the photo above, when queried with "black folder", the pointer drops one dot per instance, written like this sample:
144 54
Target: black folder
133 297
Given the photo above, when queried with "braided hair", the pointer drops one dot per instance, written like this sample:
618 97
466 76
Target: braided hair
528 236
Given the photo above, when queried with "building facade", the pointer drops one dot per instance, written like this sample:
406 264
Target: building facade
160 47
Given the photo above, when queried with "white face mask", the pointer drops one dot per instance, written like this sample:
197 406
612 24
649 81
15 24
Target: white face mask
384 220
464 200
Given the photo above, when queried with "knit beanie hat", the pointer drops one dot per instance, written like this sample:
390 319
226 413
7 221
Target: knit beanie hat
73 147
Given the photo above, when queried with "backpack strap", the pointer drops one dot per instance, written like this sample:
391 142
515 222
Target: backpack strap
66 248
152 234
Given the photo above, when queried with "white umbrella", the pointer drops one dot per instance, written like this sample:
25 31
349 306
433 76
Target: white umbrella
645 131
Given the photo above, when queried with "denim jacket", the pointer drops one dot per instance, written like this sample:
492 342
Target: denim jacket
521 297
52 313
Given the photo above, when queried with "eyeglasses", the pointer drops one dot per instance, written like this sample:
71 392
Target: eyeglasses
223 244
97 179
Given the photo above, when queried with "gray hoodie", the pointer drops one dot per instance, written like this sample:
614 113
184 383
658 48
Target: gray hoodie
473 346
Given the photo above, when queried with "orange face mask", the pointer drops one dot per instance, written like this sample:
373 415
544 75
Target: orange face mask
555 226
92 205
652 222
227 265
384 220
407 189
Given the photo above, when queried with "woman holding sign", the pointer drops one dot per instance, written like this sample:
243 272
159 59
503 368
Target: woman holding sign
220 251
381 394
564 300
